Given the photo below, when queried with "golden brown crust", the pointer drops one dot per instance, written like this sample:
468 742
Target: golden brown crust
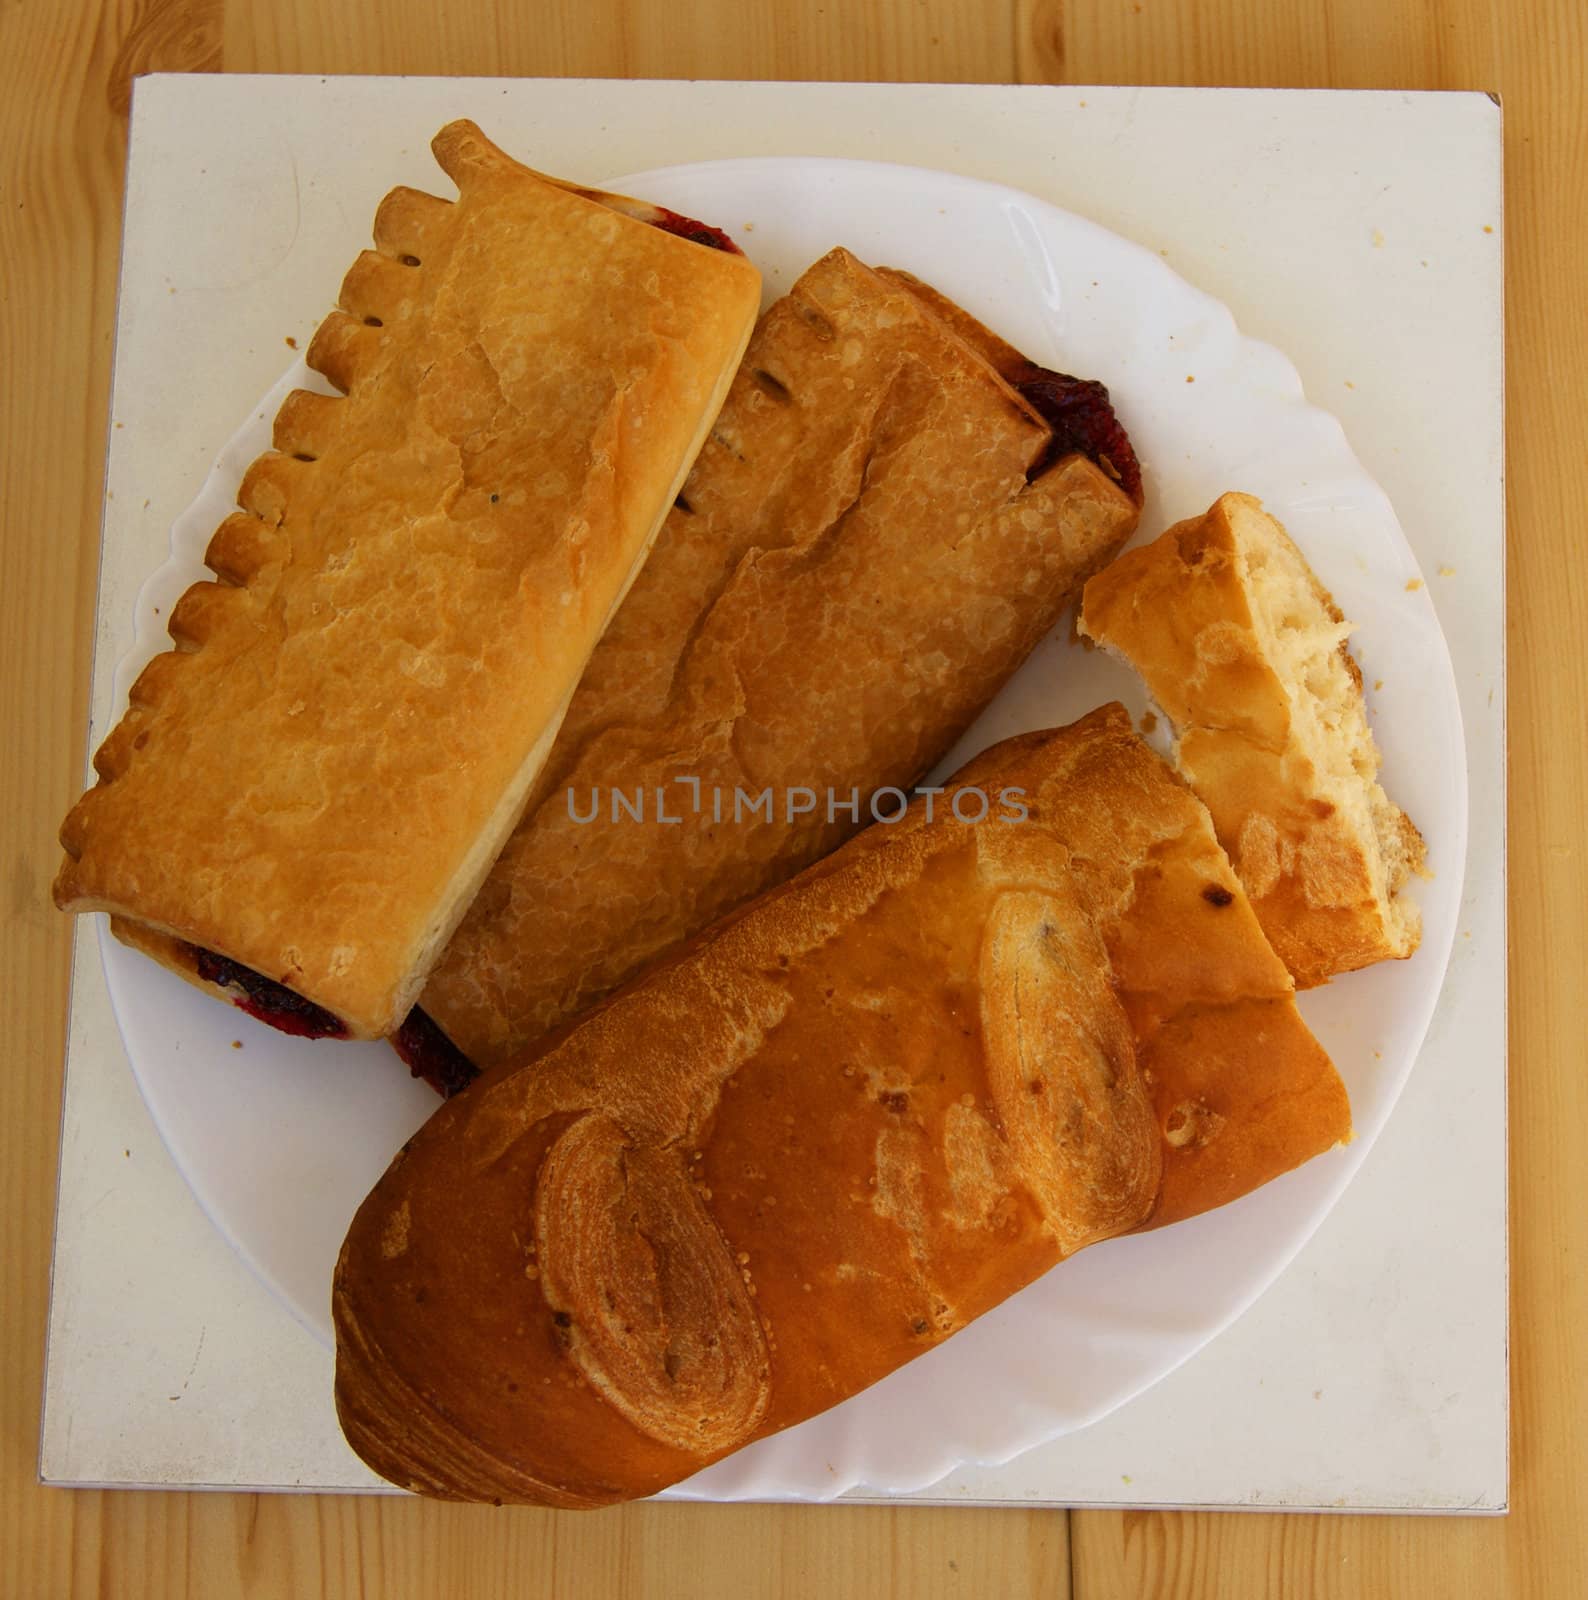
1009 363
857 566
817 1141
1244 650
315 781
1242 1090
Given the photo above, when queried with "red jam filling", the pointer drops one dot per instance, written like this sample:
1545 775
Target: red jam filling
688 228
266 1000
1082 418
431 1055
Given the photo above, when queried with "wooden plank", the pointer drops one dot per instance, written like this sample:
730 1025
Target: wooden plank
141 1546
870 40
63 74
1308 45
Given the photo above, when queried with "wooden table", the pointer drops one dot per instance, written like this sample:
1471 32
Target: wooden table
65 68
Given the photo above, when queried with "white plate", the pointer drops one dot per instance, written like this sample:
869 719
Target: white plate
281 1138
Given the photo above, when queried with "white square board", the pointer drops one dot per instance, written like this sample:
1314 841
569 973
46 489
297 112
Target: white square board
1359 232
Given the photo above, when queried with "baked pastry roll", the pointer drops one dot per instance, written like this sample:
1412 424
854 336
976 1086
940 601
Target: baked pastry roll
893 508
306 793
1246 653
826 1134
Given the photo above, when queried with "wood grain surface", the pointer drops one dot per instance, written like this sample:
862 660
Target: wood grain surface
65 67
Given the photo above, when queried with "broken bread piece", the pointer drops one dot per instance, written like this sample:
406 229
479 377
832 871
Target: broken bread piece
1245 651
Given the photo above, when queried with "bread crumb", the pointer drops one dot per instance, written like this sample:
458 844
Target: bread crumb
1413 585
1447 572
1349 384
1193 1124
1378 240
749 227
1190 378
1149 721
237 1044
1378 683
1487 228
394 1233
292 344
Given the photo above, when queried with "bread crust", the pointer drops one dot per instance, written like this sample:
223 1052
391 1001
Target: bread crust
1241 1089
825 1135
315 781
1322 856
857 566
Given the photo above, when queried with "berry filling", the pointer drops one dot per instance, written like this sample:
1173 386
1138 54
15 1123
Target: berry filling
1082 418
688 228
266 1000
431 1055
